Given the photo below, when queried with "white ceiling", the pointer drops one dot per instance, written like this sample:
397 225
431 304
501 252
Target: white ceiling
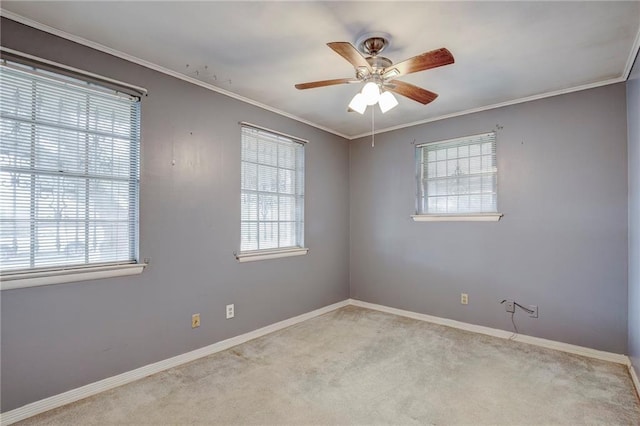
505 51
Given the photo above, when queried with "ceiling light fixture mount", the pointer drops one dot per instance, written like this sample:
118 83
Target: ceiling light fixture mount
373 43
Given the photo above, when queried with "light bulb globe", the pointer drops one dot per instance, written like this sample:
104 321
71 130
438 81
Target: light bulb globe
387 101
358 103
371 93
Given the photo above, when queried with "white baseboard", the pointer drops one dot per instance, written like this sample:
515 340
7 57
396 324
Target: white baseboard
77 394
82 392
551 344
634 378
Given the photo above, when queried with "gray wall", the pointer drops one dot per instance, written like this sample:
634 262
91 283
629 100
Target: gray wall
633 123
60 337
561 245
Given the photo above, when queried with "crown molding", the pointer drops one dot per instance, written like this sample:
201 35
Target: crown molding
494 106
635 48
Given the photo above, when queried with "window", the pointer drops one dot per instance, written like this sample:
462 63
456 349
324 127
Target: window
272 192
458 177
69 173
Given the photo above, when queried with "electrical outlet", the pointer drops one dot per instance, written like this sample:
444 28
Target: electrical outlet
464 298
195 320
533 308
510 306
230 311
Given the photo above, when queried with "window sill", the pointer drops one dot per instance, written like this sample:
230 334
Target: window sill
60 276
475 217
270 254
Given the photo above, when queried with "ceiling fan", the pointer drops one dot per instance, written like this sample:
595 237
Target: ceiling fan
379 74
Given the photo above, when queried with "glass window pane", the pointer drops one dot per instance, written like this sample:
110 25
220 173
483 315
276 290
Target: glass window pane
267 207
431 170
487 184
452 204
272 167
463 166
249 207
475 184
452 167
486 163
67 192
267 178
475 165
249 176
60 243
456 169
287 209
248 236
287 234
268 153
268 235
463 204
431 204
15 245
286 157
432 188
250 149
286 181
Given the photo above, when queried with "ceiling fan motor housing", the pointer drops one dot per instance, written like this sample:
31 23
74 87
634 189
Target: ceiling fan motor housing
379 62
373 43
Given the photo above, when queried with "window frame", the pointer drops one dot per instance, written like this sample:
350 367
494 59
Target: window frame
298 195
57 273
422 215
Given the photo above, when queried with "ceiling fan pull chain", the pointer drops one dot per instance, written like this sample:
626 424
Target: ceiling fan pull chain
373 132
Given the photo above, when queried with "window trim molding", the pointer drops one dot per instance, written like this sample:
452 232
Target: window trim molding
68 275
471 217
252 256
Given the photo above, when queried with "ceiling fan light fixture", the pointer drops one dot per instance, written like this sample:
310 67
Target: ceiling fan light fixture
371 93
387 101
358 103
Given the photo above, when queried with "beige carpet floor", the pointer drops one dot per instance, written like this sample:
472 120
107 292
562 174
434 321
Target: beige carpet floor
358 366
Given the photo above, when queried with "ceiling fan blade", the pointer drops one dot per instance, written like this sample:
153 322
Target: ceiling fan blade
323 83
350 53
416 93
433 59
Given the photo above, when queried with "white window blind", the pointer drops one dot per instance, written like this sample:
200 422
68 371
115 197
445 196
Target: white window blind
69 172
458 176
272 191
